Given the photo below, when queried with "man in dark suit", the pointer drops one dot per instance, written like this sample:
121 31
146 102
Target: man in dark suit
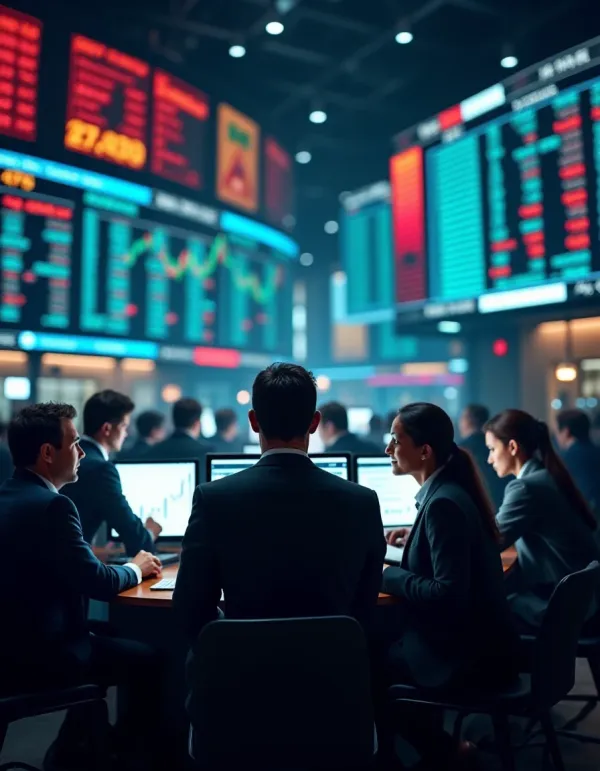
336 437
98 495
185 442
150 430
471 422
227 437
6 465
51 572
581 457
312 544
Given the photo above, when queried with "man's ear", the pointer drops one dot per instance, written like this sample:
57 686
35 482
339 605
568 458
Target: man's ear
253 421
314 424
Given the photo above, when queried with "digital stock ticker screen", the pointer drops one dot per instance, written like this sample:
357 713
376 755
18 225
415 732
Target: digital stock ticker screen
115 223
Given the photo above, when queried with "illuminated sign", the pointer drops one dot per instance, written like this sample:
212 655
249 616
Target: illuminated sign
237 159
278 183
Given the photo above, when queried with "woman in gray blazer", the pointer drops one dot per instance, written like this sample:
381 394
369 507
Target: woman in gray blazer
543 514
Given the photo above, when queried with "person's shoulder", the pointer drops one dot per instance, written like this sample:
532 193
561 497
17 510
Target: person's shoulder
450 494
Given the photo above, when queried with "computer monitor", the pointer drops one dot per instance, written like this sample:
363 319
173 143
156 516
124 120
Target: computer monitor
163 490
220 466
396 493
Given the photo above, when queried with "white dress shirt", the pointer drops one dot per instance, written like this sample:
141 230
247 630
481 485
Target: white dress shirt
284 451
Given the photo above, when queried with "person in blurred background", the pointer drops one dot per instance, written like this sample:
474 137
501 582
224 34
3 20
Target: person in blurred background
6 464
580 456
377 430
98 494
185 442
335 435
150 429
470 425
228 428
544 515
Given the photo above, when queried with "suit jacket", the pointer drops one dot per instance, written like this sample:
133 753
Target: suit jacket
354 444
475 444
6 464
99 498
181 446
583 461
49 573
457 619
137 451
551 541
281 539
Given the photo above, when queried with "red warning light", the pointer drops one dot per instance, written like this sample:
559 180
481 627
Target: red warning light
500 347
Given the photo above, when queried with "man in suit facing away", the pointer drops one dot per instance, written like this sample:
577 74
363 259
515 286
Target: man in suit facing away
227 439
471 422
185 442
150 430
333 430
49 574
581 457
282 538
98 495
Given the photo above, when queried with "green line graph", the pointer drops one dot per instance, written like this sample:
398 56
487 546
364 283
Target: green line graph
220 253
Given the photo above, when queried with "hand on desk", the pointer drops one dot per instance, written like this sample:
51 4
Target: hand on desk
398 537
148 564
153 527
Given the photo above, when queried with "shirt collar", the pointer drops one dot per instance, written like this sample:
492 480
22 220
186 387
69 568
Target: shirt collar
47 482
97 444
425 487
284 451
524 467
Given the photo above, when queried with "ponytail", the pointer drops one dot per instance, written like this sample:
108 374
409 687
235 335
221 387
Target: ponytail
463 470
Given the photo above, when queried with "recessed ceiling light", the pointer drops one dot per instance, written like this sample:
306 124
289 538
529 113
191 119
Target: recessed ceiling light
303 156
274 28
508 62
306 259
331 227
404 37
237 51
317 116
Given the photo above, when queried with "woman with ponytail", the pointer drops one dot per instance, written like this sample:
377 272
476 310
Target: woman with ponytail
543 513
453 624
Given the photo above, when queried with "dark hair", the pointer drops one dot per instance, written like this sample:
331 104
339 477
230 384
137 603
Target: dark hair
148 421
477 415
186 413
376 423
224 419
428 424
533 437
577 422
284 398
336 413
34 426
105 407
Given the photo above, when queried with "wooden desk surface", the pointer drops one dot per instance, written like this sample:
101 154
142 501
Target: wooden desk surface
142 595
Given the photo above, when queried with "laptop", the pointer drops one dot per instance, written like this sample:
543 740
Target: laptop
396 496
221 466
163 490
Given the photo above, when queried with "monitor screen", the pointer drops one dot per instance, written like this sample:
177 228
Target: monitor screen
163 491
396 493
358 420
220 467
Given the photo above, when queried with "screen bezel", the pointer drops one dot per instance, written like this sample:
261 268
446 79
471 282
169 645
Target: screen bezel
347 456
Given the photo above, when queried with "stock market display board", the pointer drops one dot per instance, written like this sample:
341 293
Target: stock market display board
495 201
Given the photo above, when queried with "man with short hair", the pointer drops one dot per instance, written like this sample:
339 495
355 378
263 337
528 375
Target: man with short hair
470 425
150 430
185 443
50 572
282 538
226 439
580 456
336 437
98 495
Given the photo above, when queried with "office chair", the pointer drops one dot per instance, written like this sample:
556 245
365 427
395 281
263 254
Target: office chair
282 693
552 677
19 707
587 648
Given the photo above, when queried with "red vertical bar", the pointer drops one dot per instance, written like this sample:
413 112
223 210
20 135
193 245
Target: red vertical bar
408 213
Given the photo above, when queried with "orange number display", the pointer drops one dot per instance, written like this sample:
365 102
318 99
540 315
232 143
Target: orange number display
85 137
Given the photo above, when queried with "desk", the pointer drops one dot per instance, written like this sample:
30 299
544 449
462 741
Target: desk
142 596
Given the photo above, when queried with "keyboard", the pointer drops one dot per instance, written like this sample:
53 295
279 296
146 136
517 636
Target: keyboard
164 585
165 558
393 555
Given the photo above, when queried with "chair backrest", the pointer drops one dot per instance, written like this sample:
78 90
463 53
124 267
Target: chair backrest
555 651
281 694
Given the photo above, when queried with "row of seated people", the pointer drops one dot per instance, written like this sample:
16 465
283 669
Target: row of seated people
313 544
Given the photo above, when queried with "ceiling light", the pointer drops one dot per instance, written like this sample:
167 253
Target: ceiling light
237 51
323 383
317 116
303 156
508 62
404 37
274 28
306 259
243 397
449 327
331 227
566 372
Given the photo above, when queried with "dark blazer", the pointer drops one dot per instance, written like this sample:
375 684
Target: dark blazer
137 451
181 446
99 498
6 464
475 444
355 444
583 461
234 446
281 539
457 620
49 572
551 541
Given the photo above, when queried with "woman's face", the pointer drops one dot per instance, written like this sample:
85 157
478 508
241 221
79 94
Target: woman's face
406 456
501 456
